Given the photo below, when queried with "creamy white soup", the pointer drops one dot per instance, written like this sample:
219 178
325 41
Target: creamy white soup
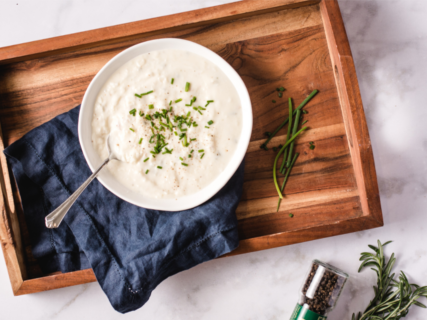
174 120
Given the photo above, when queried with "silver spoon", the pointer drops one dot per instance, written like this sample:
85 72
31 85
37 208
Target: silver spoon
54 219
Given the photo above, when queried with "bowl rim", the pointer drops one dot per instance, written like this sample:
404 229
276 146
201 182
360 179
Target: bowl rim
166 204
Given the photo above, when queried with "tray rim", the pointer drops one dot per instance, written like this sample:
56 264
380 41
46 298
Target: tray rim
348 92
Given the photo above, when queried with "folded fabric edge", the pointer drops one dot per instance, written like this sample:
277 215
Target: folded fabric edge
211 247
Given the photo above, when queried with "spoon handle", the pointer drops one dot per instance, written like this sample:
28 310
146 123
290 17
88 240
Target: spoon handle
54 219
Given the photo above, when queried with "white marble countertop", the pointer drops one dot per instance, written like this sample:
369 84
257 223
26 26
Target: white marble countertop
389 43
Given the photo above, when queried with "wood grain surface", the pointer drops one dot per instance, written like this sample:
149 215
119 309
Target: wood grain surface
298 44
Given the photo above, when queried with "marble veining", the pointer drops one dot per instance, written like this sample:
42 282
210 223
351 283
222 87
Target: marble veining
388 40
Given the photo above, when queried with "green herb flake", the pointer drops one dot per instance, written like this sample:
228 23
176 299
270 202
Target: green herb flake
207 103
151 106
143 94
147 171
133 112
291 215
281 89
201 150
207 127
172 80
202 156
131 129
178 100
159 167
141 114
280 94
184 164
140 141
146 159
187 87
210 122
274 101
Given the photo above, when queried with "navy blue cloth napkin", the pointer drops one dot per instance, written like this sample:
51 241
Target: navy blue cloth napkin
130 249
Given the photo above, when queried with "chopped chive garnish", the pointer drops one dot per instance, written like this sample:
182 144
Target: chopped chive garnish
143 94
202 156
192 149
274 101
180 158
304 111
140 141
141 114
159 167
209 101
187 86
201 150
148 117
147 171
207 127
151 106
304 122
291 215
176 133
191 102
152 123
146 160
200 108
282 89
131 130
184 164
210 122
200 112
189 155
132 112
280 94
172 80
170 102
195 124
178 100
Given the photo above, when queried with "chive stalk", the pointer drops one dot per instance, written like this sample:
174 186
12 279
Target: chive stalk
285 156
286 178
277 158
264 145
291 147
187 87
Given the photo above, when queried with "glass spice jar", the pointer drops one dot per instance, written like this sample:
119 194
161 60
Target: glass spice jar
320 292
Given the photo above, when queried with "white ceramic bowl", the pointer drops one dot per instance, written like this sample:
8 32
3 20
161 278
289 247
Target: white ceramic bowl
107 179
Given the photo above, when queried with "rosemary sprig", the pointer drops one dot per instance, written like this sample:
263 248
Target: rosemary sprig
392 297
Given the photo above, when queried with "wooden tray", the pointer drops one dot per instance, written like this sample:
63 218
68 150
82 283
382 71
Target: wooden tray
298 44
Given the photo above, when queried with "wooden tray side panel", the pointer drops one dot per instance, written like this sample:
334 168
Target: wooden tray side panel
352 108
10 235
128 31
